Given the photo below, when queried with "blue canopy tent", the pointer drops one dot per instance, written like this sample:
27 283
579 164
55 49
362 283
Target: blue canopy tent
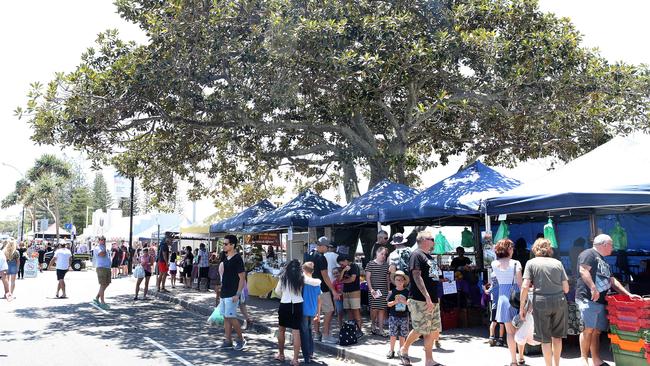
236 223
611 178
295 213
367 208
458 195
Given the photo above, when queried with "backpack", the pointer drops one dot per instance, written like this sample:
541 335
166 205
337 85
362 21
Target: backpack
403 260
348 333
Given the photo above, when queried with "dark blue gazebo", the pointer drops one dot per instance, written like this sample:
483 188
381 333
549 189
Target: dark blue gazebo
236 223
367 208
458 195
295 213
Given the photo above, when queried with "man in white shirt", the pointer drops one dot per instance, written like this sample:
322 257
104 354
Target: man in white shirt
63 259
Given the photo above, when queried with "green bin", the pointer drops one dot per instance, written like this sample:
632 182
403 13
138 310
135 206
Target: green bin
627 358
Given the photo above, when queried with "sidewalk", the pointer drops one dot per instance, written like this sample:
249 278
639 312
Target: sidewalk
458 346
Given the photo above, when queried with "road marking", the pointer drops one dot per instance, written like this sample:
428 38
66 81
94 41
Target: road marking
189 349
169 352
98 308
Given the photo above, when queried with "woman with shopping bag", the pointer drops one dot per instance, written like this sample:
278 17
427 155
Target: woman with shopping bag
550 284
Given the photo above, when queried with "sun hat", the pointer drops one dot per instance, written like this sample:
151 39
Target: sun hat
400 273
398 239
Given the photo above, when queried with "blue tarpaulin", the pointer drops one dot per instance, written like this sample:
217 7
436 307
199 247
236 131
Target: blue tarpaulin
614 174
236 223
459 194
295 213
368 207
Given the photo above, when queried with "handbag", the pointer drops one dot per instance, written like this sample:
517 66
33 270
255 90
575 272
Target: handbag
515 296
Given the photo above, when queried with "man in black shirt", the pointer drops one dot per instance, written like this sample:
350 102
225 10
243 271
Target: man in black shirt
594 280
461 260
382 241
423 302
232 284
327 289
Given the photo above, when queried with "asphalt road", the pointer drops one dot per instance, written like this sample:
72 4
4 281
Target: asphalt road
38 329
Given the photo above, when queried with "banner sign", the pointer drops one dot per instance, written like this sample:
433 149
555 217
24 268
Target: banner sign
263 239
122 186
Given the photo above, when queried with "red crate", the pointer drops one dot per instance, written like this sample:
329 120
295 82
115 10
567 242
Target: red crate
627 325
627 315
620 302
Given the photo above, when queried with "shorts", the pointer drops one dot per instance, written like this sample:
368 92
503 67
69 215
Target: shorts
398 326
104 276
493 315
352 300
115 264
12 268
187 271
326 303
423 321
60 274
162 267
228 308
173 272
147 274
593 314
203 272
290 315
339 306
551 317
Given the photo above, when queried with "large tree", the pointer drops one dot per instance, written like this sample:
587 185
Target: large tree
101 195
230 93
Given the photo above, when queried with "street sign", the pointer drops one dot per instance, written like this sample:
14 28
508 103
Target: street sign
31 268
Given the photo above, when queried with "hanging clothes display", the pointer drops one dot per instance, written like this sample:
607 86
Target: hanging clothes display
442 245
549 233
467 239
619 237
503 232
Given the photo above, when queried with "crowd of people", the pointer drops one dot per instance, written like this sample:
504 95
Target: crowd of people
402 291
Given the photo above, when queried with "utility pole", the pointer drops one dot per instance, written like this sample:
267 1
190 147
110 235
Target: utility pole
131 226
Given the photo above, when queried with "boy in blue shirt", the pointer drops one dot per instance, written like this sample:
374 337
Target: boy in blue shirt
310 305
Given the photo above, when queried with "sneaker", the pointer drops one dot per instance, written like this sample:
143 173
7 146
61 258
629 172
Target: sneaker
360 334
225 345
96 302
500 342
104 306
390 355
239 344
492 342
318 336
330 340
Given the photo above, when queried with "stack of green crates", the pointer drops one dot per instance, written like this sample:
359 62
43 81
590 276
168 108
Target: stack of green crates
629 320
625 357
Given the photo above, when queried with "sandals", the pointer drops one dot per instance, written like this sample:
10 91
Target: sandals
406 361
279 358
521 362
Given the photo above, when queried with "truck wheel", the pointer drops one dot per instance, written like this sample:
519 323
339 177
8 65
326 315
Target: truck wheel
76 266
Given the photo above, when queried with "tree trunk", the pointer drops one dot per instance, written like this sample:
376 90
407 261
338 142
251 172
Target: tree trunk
350 181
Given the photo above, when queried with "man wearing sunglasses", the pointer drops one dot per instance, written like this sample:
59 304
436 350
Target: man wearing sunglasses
232 284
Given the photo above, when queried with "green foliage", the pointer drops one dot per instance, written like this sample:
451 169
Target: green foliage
42 188
101 195
81 199
230 93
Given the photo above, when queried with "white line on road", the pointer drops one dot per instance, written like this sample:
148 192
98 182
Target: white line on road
98 308
189 349
169 352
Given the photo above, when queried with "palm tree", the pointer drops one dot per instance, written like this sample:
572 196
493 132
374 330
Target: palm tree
42 187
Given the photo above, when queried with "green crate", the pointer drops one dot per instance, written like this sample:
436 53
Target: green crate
627 335
627 358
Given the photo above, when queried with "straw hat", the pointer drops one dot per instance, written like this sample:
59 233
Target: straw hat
400 273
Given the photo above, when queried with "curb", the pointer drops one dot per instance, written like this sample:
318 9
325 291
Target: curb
330 349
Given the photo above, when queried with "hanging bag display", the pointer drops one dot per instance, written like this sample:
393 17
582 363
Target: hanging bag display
549 233
503 232
467 239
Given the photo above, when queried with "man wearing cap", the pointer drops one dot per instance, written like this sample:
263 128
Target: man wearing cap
398 260
327 288
102 260
423 302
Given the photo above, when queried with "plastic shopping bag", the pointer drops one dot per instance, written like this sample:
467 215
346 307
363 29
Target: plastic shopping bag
138 272
216 318
524 334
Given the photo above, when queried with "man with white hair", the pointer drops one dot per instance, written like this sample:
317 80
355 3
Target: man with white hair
594 280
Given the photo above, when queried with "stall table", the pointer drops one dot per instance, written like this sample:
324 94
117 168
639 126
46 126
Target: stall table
261 284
